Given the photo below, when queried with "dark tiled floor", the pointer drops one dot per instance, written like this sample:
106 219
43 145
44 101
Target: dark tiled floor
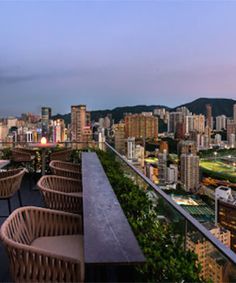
29 197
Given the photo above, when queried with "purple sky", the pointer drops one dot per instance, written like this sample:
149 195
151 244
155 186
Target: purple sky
114 53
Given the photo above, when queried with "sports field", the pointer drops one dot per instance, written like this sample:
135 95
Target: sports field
219 169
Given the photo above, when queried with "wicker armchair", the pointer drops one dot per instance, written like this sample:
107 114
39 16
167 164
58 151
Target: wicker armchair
22 155
61 193
65 169
10 182
62 155
44 245
27 150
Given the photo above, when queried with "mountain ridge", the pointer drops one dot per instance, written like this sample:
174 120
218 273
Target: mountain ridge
220 106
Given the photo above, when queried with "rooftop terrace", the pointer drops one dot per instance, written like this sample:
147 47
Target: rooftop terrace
159 240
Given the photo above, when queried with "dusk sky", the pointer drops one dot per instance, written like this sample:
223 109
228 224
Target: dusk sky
114 53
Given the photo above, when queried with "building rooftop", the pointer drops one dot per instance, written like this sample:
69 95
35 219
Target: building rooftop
195 206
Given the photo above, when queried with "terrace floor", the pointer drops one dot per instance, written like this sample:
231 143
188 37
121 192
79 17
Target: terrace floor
29 197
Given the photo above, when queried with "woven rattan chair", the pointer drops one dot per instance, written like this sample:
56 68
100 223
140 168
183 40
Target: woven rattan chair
63 155
44 245
65 169
22 155
61 193
10 182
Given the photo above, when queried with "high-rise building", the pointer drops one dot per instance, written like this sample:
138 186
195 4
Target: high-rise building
226 212
218 139
11 122
180 131
162 167
101 123
189 123
207 137
139 154
46 113
119 134
184 110
205 141
213 263
151 171
209 116
231 128
107 122
101 139
231 140
187 147
163 147
221 122
3 131
234 113
80 124
131 148
199 123
189 171
160 112
58 130
174 119
141 126
172 174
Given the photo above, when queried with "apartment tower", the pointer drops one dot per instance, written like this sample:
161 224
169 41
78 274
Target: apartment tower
209 116
234 113
189 171
80 124
119 134
46 113
141 126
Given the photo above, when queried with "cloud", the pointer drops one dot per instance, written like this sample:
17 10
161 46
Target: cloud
14 77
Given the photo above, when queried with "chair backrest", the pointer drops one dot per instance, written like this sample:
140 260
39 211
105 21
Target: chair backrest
17 222
29 222
59 184
27 150
20 156
10 182
63 155
65 169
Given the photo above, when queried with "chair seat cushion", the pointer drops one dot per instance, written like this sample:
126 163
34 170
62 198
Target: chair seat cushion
69 245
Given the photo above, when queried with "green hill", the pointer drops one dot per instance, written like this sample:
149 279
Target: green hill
220 106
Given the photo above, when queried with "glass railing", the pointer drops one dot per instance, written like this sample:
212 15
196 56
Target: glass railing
218 262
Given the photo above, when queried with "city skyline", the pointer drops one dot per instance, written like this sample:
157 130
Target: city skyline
107 54
67 107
